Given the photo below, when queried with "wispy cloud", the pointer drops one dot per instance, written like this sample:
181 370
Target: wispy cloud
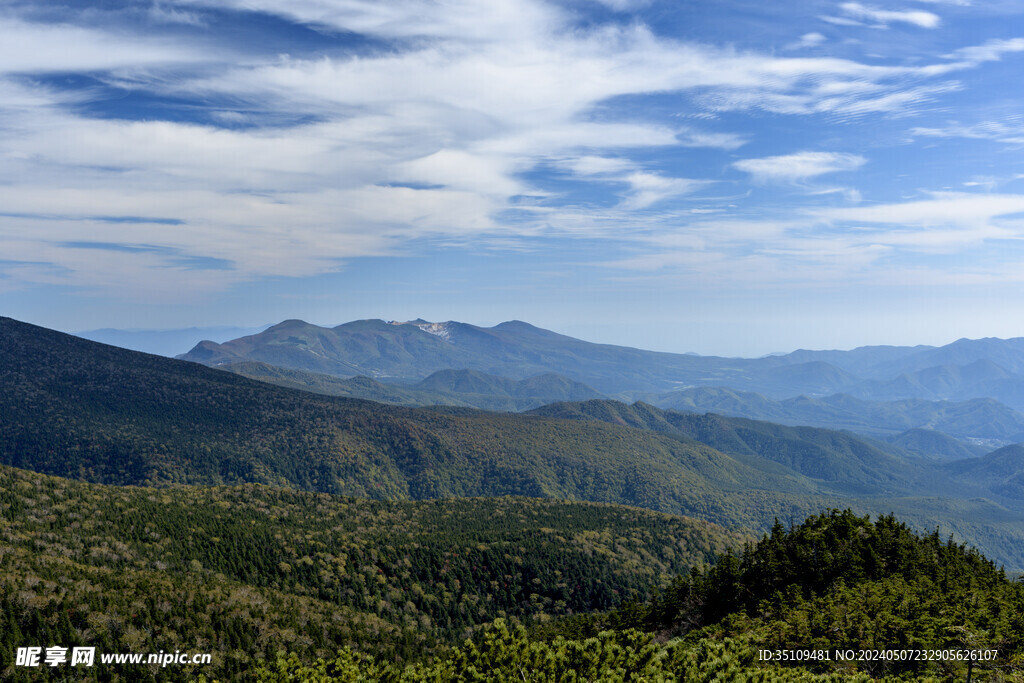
589 165
650 188
170 15
1008 131
462 20
624 5
86 49
965 211
644 188
799 167
990 51
882 245
807 40
883 17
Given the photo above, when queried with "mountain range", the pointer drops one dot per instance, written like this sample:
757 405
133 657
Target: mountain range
969 390
88 411
411 351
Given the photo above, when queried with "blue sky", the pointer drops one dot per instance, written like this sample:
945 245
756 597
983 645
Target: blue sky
728 177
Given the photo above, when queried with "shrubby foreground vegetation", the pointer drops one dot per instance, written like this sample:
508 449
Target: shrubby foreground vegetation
504 654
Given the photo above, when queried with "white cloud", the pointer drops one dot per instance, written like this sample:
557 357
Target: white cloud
462 20
84 49
1009 131
851 244
429 139
624 5
726 141
807 40
458 169
644 187
650 188
946 223
962 209
885 17
593 165
170 15
840 21
991 51
796 168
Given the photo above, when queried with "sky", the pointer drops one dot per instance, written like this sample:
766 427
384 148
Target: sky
729 178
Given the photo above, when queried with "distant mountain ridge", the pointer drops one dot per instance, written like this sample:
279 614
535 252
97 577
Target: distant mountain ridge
941 429
981 420
411 351
165 342
465 388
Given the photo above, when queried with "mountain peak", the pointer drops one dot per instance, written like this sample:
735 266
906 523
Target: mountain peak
442 330
208 352
291 323
515 324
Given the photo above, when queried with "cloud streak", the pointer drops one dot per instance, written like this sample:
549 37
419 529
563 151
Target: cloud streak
1010 131
799 167
883 18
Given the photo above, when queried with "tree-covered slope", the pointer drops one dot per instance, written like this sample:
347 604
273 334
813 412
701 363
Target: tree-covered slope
935 445
351 387
245 571
844 461
906 606
483 390
1001 470
506 655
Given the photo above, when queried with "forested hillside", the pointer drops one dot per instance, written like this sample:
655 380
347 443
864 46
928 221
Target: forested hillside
847 462
907 607
245 571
